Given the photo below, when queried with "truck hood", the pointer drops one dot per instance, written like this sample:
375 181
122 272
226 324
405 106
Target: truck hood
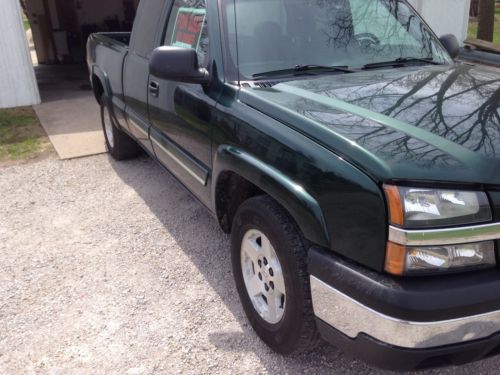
438 123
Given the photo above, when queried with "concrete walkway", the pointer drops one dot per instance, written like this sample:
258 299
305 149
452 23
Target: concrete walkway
69 113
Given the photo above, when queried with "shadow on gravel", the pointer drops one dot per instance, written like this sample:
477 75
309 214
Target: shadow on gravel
198 235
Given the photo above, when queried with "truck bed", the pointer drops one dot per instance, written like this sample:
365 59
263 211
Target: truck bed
121 38
108 51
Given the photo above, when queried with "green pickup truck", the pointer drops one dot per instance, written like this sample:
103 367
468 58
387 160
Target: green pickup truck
355 164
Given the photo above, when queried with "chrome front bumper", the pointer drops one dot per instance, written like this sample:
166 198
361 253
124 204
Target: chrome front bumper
352 318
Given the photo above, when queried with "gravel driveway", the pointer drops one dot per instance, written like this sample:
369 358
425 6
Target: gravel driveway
112 267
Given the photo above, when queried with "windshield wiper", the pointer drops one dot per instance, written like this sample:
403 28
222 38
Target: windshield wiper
401 61
298 69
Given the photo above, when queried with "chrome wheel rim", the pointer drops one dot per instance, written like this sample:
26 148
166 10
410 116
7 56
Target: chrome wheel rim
263 276
108 128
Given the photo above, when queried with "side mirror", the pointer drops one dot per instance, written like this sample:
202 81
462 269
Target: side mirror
177 64
450 43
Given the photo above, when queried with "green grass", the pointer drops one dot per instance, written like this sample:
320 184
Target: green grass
496 34
21 136
26 22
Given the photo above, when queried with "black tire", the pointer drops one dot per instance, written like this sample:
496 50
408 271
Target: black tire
296 332
122 147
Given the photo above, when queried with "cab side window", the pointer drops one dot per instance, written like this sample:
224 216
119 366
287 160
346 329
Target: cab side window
187 27
145 27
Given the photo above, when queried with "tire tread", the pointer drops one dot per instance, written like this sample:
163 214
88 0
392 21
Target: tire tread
309 337
125 147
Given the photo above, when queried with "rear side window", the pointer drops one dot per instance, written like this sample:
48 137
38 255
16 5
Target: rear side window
146 25
187 27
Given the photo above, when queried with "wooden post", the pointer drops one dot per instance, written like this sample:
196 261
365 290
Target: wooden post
50 32
23 6
486 20
474 8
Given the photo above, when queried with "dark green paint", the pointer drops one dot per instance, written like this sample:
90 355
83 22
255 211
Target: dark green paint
351 203
322 146
438 124
301 205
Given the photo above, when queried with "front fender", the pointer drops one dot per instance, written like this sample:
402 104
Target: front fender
304 209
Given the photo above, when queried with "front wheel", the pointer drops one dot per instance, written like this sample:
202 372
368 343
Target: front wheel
118 143
270 271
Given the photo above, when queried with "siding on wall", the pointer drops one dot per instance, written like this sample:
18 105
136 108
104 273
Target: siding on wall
18 86
445 16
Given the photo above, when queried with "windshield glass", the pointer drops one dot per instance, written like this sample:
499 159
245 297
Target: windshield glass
273 35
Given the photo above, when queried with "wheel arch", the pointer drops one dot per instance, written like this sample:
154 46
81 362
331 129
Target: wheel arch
100 83
253 177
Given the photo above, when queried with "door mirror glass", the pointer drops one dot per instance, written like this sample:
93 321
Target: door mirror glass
177 64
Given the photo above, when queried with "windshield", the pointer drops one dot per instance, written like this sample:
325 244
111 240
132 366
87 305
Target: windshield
273 35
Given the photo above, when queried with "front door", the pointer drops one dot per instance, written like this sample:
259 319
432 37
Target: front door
181 114
136 69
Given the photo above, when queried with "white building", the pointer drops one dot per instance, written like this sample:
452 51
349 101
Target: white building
445 16
18 85
60 28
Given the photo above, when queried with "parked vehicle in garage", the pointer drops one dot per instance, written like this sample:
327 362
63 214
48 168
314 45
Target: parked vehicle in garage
355 164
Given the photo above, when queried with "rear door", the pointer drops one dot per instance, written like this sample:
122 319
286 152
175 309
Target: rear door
181 114
136 67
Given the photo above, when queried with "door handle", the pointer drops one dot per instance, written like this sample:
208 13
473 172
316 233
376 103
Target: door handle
154 88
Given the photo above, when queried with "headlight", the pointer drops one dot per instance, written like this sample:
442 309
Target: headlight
423 208
403 260
417 210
